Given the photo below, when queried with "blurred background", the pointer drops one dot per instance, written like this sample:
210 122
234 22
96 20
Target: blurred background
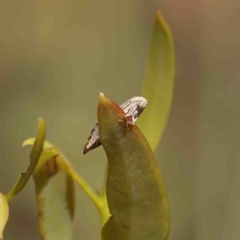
57 55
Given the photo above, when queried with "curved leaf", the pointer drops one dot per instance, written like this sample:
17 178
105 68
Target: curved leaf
4 212
46 154
158 83
34 157
135 190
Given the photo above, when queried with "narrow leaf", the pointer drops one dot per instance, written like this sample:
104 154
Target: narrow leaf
135 189
4 212
34 157
158 83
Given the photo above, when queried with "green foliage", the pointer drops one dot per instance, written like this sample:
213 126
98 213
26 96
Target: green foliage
135 204
135 190
34 157
4 212
56 200
44 184
158 83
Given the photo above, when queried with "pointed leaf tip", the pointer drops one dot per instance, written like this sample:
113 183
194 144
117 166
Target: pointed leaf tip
159 14
4 213
159 82
34 157
106 106
101 94
102 98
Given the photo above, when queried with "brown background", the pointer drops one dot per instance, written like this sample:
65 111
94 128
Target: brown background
56 55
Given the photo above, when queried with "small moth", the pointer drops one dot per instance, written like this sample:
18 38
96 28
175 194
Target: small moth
132 109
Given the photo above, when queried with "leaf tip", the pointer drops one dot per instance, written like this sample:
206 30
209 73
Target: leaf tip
29 141
159 14
102 97
160 18
101 94
162 22
25 143
41 122
103 100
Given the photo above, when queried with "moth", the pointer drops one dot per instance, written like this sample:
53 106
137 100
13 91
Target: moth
132 109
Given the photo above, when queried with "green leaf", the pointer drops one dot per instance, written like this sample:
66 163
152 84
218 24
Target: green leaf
158 84
56 200
99 200
136 192
55 194
46 154
34 157
4 212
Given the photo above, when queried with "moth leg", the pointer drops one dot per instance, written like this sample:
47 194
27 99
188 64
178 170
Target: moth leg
128 120
131 116
124 121
131 119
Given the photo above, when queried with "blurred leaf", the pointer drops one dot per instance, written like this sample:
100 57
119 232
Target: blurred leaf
55 194
159 83
4 212
47 153
135 189
56 200
99 200
30 141
34 157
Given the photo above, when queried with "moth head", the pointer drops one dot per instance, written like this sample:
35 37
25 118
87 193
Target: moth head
141 102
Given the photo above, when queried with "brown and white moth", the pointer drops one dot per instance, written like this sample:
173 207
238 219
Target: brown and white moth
132 109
